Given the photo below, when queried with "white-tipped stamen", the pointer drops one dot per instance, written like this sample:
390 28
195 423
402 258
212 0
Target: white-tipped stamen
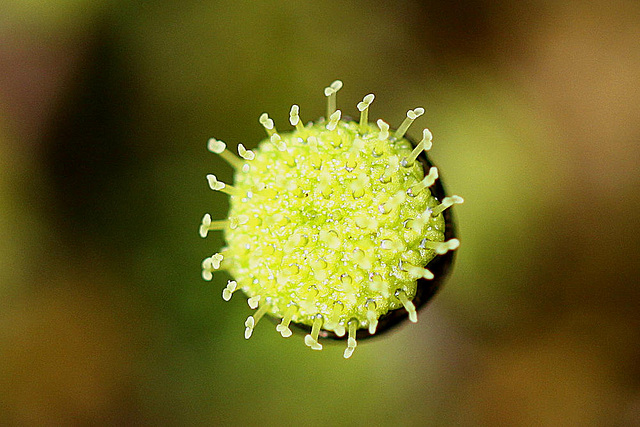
213 226
428 181
216 259
228 291
363 107
252 321
210 264
334 119
219 147
446 203
408 305
254 301
412 115
245 154
330 92
351 341
216 185
283 326
417 272
294 117
268 124
384 129
372 317
311 340
276 140
441 248
424 144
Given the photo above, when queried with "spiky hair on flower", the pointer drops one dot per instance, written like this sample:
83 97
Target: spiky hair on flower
340 228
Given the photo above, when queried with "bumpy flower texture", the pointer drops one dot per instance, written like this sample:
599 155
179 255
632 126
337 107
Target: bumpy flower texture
332 225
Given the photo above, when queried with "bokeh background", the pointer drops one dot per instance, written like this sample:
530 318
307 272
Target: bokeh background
105 110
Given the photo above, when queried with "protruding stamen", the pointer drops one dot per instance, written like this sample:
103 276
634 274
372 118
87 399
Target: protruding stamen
363 107
372 317
228 291
428 181
417 272
424 144
252 321
278 142
330 92
208 225
216 185
412 115
219 147
294 117
311 340
210 264
446 203
384 129
351 341
268 124
216 259
441 248
334 118
246 154
254 301
283 327
408 305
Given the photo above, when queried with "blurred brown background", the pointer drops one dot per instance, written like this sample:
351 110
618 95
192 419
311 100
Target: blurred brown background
105 110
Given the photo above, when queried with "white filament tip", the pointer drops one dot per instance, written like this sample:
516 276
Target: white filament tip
214 183
294 115
245 154
427 137
312 342
415 113
253 302
216 259
249 324
366 102
216 146
333 88
266 121
284 330
228 291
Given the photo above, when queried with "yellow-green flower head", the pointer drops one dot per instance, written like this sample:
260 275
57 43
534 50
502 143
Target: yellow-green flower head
332 225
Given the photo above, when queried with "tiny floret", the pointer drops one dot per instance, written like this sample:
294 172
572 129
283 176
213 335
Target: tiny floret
338 228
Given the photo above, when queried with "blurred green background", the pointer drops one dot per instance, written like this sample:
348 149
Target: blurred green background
105 110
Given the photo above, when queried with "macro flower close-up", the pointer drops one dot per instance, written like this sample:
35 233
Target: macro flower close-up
332 224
